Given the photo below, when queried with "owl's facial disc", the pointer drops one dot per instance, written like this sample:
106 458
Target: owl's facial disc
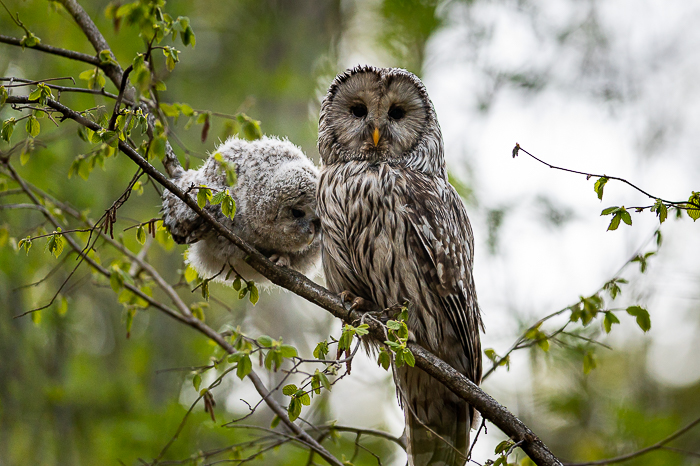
378 117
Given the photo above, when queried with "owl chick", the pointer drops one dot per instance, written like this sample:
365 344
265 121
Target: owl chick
395 231
275 196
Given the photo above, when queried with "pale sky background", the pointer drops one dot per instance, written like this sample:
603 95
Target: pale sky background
648 133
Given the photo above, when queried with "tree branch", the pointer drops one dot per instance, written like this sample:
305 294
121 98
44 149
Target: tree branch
517 149
91 59
191 321
114 72
302 286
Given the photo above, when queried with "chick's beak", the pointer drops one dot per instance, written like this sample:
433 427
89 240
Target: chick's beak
375 136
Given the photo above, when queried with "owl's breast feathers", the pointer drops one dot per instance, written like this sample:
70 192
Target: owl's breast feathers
394 235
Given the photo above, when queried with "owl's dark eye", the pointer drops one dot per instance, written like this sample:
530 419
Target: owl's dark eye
359 110
396 112
296 213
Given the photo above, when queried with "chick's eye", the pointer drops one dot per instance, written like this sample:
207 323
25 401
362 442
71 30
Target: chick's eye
296 213
359 110
396 112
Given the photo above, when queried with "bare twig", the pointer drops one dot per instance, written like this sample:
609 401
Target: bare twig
593 175
657 446
91 59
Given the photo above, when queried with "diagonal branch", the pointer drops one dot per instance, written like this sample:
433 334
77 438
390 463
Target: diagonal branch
189 320
302 286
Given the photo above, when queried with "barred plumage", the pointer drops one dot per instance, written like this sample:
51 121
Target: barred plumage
393 231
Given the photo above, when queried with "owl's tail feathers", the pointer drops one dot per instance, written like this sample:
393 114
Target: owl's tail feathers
441 443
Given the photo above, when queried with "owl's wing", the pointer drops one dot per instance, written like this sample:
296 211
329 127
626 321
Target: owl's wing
444 237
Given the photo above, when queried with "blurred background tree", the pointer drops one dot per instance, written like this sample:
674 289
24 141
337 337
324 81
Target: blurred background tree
607 88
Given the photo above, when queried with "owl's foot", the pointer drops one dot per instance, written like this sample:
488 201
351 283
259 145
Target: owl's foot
280 259
355 303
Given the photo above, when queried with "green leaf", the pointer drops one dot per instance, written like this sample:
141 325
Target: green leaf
693 212
3 95
642 317
324 381
393 325
363 329
228 206
217 198
254 295
661 210
106 58
169 110
33 127
25 243
141 234
503 447
609 320
543 344
157 148
316 383
294 409
384 359
8 127
409 358
626 217
190 274
589 362
599 185
116 281
288 351
203 195
245 366
265 341
275 422
615 222
197 381
609 210
29 40
289 390
236 284
35 95
321 350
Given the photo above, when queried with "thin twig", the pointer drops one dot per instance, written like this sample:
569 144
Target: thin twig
593 175
657 446
91 59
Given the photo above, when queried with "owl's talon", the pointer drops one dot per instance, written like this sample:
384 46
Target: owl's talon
355 303
281 260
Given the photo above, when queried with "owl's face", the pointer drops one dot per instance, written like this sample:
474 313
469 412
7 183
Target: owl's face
376 115
290 222
298 221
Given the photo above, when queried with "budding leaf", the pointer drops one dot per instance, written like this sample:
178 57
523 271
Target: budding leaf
599 185
693 202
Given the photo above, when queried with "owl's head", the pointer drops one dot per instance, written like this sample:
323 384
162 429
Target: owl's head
296 224
380 115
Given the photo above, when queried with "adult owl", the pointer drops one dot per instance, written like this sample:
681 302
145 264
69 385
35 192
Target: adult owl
275 195
394 231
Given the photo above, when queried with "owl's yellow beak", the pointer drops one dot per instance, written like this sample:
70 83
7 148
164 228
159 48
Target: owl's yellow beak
375 136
